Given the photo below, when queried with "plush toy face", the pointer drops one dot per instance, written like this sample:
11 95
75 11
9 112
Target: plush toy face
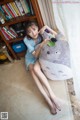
55 61
59 53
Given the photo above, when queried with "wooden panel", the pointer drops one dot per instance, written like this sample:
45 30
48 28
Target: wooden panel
21 54
15 40
37 12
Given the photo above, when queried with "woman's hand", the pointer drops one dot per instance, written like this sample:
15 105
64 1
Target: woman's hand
42 29
44 42
50 30
38 50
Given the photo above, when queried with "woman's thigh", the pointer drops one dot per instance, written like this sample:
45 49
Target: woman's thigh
37 66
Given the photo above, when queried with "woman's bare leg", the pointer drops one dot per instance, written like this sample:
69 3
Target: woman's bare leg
40 87
44 81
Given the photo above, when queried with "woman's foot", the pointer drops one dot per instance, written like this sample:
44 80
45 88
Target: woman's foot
53 110
55 104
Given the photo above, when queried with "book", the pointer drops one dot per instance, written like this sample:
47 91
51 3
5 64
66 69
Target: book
11 6
2 21
2 15
15 8
6 10
30 7
6 16
4 28
24 6
18 4
27 5
10 10
13 31
9 32
5 34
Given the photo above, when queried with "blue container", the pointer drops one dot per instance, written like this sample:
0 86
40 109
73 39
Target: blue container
19 47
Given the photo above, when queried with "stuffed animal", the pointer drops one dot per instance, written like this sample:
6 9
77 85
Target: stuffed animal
55 60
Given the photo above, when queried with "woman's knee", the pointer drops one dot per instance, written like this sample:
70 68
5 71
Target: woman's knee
37 67
31 67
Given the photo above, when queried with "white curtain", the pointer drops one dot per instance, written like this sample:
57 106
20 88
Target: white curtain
67 18
47 13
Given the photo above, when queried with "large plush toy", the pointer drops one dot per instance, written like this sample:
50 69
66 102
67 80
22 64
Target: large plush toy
55 58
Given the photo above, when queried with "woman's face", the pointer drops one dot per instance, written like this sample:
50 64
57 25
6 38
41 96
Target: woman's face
32 31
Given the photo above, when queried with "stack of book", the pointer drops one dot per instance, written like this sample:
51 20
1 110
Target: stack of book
15 9
8 32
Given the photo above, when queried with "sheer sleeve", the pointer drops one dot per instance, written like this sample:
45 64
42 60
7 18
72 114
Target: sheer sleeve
29 46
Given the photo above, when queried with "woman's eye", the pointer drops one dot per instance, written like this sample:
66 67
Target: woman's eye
29 32
34 29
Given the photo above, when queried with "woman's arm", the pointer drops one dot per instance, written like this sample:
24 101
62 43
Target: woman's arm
50 30
36 53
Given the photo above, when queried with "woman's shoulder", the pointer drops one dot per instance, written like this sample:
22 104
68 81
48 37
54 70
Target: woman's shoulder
26 40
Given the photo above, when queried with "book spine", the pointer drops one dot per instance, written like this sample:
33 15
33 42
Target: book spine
4 33
4 28
2 20
8 35
11 35
16 9
10 10
13 9
6 13
2 15
30 6
13 32
27 5
20 7
4 7
24 6
6 16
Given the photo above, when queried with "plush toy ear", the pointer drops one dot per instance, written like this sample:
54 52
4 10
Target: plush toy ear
53 39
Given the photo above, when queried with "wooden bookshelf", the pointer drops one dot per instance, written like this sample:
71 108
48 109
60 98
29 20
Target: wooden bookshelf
36 16
18 19
15 40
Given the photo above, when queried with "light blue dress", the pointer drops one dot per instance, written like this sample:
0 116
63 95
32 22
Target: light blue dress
31 46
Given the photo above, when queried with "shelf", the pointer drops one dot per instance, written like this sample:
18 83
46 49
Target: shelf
18 19
21 54
5 1
15 40
35 7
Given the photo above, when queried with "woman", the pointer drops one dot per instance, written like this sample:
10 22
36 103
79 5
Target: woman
32 39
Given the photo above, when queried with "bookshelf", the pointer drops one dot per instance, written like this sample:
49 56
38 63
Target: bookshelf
19 19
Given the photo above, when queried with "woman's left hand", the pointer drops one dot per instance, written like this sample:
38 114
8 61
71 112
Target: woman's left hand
44 42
